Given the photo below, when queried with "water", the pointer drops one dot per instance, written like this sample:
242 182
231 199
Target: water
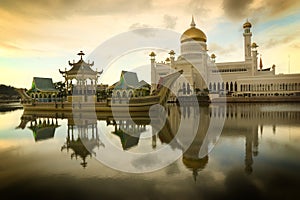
255 156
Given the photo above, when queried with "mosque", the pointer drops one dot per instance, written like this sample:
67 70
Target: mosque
234 80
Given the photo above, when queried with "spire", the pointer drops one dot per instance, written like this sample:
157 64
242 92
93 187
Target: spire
193 22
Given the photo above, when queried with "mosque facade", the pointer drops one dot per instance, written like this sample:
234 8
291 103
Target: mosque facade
201 72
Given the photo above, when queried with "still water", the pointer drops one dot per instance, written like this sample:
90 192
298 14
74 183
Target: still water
237 151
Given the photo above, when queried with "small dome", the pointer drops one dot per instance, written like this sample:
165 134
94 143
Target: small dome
213 56
152 54
193 33
167 60
172 52
247 24
254 45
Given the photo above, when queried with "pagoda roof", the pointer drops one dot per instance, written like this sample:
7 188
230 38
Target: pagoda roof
80 68
43 85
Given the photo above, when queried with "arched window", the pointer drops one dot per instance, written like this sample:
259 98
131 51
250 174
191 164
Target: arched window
130 94
209 86
188 88
118 95
218 87
231 86
235 86
183 88
124 94
227 86
214 87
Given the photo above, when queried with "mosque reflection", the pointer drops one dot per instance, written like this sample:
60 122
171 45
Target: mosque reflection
246 120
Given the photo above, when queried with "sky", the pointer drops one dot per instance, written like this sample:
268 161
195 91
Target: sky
39 37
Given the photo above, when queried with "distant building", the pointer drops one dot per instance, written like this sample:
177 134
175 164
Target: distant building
43 90
238 79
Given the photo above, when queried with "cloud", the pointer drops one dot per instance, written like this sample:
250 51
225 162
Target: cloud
279 41
220 50
142 30
237 9
147 161
197 7
259 10
64 8
138 26
295 45
170 21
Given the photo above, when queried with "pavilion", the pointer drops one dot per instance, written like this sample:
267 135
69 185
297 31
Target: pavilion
85 78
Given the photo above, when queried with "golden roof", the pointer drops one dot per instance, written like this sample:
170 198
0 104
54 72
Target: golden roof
247 24
193 33
213 56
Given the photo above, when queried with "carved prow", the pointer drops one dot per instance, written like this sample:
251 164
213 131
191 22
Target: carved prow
23 94
164 86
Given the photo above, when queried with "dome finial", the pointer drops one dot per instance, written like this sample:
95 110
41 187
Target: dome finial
193 22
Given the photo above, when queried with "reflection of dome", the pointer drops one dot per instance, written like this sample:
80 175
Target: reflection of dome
247 24
195 164
193 33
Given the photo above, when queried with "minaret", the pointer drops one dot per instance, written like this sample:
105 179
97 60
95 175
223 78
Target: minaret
247 39
153 71
254 58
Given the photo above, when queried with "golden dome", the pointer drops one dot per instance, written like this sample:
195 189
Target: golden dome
247 24
193 33
213 56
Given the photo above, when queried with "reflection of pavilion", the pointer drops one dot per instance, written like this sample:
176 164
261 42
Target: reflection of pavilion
82 132
87 139
42 128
